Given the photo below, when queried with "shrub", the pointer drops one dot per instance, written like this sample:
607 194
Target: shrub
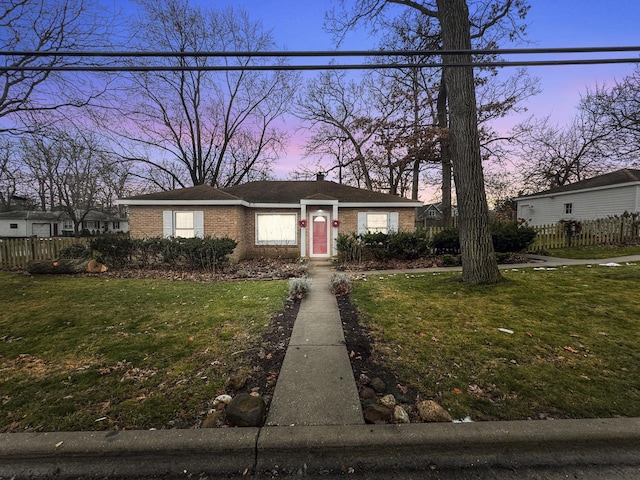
450 260
207 253
341 284
507 238
408 245
446 241
511 237
298 287
113 250
77 250
350 247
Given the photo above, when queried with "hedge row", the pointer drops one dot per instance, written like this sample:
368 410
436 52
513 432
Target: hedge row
119 251
507 238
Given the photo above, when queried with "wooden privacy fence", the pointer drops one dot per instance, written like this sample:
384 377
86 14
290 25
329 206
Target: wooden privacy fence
17 252
605 231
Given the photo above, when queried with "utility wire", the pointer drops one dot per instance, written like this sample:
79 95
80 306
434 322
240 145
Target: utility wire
361 66
323 53
301 67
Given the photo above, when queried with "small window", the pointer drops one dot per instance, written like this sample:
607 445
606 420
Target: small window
116 225
568 208
184 225
431 213
13 225
67 225
276 229
378 222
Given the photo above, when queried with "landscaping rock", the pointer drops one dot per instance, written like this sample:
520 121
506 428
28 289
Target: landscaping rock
388 401
400 415
213 420
377 413
236 381
367 393
378 385
246 411
431 412
225 399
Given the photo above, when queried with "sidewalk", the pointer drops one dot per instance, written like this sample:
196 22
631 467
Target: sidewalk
316 384
315 429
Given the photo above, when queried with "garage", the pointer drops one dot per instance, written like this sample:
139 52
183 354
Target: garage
41 229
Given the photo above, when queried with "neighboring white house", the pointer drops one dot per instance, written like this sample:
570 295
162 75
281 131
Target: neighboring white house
599 197
25 223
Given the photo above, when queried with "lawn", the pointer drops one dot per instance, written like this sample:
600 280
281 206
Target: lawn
595 252
96 353
574 350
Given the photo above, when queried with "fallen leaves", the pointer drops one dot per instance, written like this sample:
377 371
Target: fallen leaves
570 349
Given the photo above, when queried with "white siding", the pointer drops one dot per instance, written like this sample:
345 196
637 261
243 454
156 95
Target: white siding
6 231
586 205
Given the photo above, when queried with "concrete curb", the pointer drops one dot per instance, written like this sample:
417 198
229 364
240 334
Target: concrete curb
320 450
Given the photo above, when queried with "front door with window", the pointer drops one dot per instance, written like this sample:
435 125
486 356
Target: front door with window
320 235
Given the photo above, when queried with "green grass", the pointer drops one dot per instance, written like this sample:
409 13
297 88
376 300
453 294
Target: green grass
574 352
92 353
595 252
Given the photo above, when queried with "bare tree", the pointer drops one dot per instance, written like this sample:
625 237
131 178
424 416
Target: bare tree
9 174
489 21
617 110
67 166
34 27
552 156
218 128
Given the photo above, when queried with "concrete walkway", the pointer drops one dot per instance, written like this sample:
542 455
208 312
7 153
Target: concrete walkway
316 384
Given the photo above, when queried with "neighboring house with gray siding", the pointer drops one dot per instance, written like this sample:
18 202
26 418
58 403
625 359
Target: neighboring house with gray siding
599 197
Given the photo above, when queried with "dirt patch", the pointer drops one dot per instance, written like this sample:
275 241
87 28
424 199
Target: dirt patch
366 368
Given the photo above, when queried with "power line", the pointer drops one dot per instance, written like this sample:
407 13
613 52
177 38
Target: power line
322 53
360 66
445 54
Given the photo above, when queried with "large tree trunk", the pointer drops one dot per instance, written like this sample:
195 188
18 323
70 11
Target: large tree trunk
479 263
66 265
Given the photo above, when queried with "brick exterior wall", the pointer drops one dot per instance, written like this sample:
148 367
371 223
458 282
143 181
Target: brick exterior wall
219 221
238 223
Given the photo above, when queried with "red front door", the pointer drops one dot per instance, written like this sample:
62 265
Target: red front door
319 243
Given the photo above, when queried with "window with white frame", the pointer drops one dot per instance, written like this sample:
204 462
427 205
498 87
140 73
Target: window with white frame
276 229
377 222
67 224
185 224
568 208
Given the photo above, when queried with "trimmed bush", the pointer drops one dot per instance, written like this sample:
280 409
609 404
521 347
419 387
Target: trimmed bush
507 238
195 253
446 241
511 237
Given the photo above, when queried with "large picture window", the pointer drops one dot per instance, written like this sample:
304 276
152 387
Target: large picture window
276 229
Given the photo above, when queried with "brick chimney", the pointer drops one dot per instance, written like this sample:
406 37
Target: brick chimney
320 176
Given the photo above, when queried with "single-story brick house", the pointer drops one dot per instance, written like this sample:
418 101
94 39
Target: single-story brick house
271 218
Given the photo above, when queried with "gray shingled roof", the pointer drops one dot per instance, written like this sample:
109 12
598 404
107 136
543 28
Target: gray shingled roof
277 192
199 192
619 177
